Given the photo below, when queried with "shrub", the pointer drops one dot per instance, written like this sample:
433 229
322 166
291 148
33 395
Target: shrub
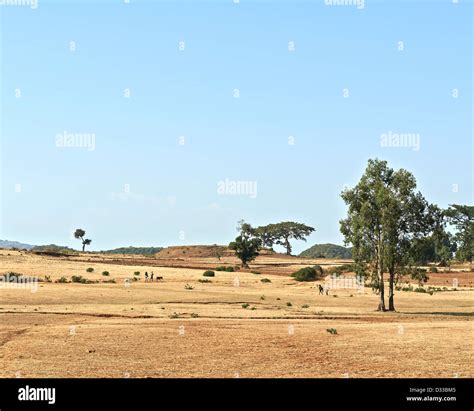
105 273
62 280
204 280
433 270
265 280
188 287
78 279
112 281
305 274
229 269
12 276
319 270
262 298
194 315
289 304
305 306
420 290
332 331
341 269
47 278
256 272
136 273
245 305
90 270
209 274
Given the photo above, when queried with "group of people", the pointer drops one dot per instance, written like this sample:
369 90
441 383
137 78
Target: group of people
151 277
323 289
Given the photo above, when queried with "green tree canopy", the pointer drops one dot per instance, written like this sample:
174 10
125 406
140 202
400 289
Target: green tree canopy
385 216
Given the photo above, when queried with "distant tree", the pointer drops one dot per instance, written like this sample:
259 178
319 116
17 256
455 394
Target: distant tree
267 234
246 245
439 247
385 215
218 252
462 217
282 233
79 234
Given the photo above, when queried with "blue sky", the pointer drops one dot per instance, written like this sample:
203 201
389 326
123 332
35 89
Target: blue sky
348 81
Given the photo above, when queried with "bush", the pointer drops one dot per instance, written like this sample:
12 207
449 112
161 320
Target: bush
332 331
265 280
188 287
289 304
209 274
433 270
62 280
136 273
245 305
12 276
112 281
305 274
105 273
305 306
90 270
229 269
78 279
420 290
204 280
319 270
256 272
341 269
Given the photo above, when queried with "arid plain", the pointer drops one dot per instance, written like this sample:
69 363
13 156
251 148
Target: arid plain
234 325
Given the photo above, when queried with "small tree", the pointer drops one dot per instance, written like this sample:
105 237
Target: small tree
79 234
246 246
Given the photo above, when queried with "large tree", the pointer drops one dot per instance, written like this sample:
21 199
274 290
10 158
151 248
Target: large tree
282 233
462 217
385 216
79 234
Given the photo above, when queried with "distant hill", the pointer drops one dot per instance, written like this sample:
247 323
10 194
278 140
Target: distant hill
53 249
134 250
15 244
327 251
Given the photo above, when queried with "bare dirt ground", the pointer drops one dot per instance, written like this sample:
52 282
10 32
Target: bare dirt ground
234 326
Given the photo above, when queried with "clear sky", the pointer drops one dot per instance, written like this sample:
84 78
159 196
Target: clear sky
236 81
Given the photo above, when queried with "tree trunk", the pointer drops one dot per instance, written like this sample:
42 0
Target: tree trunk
391 304
380 276
382 292
83 247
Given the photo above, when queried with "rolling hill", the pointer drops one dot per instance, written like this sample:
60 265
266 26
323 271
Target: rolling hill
327 251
